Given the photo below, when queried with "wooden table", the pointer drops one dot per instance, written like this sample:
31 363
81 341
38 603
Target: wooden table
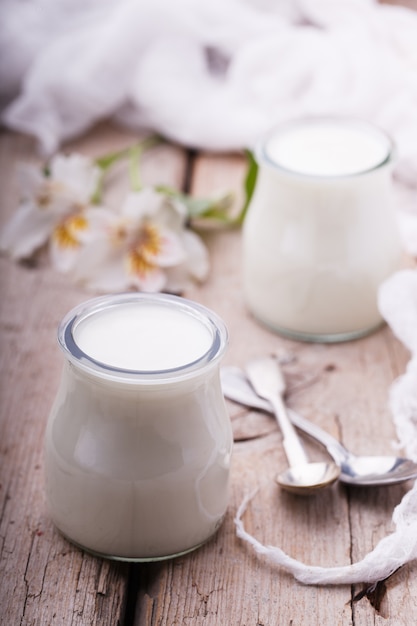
46 581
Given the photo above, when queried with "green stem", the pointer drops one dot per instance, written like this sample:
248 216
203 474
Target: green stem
134 153
98 194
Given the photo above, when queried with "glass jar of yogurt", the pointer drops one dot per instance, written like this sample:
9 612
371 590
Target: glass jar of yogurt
138 442
321 235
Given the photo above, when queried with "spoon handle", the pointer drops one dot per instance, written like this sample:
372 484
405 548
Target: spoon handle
266 378
293 449
237 388
333 447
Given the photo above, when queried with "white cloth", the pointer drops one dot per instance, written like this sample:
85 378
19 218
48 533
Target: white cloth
216 75
207 74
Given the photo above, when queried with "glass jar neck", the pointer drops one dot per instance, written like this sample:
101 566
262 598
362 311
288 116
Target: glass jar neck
325 148
194 313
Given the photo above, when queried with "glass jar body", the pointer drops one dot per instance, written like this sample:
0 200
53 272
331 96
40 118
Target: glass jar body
138 472
315 251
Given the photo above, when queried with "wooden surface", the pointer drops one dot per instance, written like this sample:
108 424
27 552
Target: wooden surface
45 581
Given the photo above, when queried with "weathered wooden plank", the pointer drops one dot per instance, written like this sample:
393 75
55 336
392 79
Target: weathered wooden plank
44 580
343 388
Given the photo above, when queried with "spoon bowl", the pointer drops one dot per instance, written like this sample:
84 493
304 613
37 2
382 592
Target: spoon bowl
355 470
377 470
302 477
308 477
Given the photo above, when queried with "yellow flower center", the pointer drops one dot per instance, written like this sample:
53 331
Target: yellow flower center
147 244
148 240
137 264
65 234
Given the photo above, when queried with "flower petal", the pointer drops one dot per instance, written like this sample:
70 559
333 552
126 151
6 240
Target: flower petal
102 223
152 281
143 273
142 204
196 266
81 240
27 231
111 279
30 178
170 250
78 173
100 269
66 241
198 260
172 214
63 259
114 274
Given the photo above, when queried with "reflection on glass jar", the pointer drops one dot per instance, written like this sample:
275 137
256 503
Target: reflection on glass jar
321 235
138 443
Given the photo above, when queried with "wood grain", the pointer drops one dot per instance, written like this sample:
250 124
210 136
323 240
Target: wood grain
46 581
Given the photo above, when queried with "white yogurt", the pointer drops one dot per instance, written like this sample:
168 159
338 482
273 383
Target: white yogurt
148 337
320 235
137 463
325 147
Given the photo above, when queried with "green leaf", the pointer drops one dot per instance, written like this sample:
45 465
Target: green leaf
107 161
202 208
104 163
249 184
216 208
134 153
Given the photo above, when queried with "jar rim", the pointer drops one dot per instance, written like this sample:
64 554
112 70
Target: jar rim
262 156
100 369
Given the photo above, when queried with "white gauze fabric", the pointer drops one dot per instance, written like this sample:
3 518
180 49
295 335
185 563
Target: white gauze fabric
213 74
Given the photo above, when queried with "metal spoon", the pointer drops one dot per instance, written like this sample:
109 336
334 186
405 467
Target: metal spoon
356 470
302 477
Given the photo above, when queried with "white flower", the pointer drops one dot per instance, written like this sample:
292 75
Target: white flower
145 246
52 204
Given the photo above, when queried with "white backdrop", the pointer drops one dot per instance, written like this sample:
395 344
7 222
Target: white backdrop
207 74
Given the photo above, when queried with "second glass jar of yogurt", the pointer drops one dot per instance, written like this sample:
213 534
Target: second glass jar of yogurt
320 235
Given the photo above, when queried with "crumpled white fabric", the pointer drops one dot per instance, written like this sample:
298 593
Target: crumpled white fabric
397 303
213 74
390 553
